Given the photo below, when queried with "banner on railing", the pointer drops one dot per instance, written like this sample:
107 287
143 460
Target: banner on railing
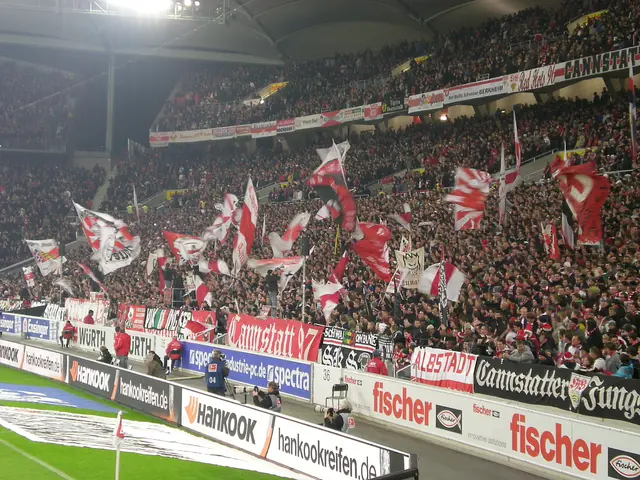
471 91
443 368
533 79
9 323
286 126
393 102
308 121
78 308
223 133
55 312
131 316
264 129
347 349
372 112
587 393
424 102
598 64
274 336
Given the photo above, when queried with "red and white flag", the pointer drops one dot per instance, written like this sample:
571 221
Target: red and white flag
118 433
550 237
29 276
430 280
92 276
585 193
371 246
46 255
247 230
152 261
404 219
324 213
186 248
202 291
338 271
220 228
469 196
262 267
328 294
213 266
282 246
194 330
516 144
264 229
162 265
113 245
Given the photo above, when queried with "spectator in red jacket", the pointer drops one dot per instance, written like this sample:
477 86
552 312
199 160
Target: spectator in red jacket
173 352
68 331
89 318
122 345
376 365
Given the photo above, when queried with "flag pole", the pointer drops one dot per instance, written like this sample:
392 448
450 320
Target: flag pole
304 284
118 462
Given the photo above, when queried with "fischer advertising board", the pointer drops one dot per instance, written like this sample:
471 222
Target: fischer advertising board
274 336
443 368
11 354
147 394
561 443
294 377
587 393
94 377
78 308
44 362
326 454
9 323
226 421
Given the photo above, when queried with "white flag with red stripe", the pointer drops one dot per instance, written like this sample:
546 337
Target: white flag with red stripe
213 266
282 246
202 292
430 279
220 228
118 433
328 294
246 231
469 196
186 248
92 276
46 255
324 213
404 219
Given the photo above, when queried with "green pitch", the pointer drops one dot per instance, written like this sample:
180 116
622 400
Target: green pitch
21 458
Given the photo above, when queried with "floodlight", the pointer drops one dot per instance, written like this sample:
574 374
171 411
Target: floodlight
148 7
187 3
443 117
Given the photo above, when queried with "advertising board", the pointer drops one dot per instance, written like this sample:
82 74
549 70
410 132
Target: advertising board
11 354
94 377
40 328
294 377
147 394
92 337
44 362
9 323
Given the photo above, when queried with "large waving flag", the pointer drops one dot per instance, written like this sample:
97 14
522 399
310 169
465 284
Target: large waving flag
213 266
371 246
469 196
585 193
287 267
92 276
46 254
431 278
282 246
404 219
220 228
247 229
550 237
113 245
330 183
338 270
509 179
186 248
328 294
202 291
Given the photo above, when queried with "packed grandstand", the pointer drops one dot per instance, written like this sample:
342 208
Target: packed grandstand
528 295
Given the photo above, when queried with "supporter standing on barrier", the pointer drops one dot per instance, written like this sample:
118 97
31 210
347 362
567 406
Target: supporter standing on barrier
216 373
68 331
376 365
88 320
270 400
122 345
172 354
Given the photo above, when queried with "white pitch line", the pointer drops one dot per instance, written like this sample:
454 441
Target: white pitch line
37 460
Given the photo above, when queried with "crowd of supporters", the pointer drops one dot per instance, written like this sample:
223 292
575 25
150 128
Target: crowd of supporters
32 113
531 38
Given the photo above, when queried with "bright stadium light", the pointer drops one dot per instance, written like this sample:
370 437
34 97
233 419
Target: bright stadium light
143 7
187 3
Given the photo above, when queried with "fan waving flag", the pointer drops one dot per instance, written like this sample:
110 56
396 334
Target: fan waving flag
92 276
469 196
247 230
404 219
371 246
430 280
330 183
213 266
113 245
46 255
550 237
282 246
328 294
585 193
186 248
220 228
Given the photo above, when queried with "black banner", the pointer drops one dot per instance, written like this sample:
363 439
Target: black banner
393 102
95 377
148 395
586 393
353 350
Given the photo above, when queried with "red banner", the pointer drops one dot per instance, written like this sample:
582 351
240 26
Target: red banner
285 126
243 130
264 129
373 112
442 368
132 317
330 119
274 336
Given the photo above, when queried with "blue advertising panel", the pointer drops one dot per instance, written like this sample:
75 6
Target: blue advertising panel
293 377
9 323
36 327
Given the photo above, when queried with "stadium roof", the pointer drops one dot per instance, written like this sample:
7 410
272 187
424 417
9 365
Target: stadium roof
257 31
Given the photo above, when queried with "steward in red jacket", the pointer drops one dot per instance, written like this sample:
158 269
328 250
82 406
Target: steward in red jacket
173 352
376 365
122 345
68 331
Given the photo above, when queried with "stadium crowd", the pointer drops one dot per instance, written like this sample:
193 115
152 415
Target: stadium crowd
32 117
528 39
